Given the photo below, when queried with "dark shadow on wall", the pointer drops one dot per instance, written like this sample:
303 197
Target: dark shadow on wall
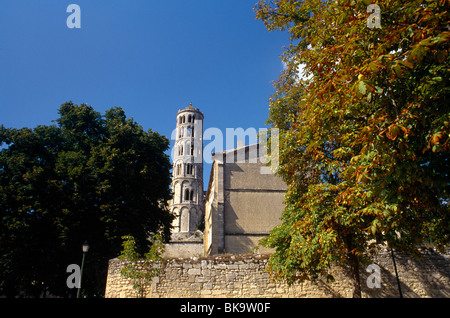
427 276
432 271
328 288
429 273
388 282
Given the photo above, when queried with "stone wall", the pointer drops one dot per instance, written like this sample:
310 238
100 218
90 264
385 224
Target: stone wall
238 276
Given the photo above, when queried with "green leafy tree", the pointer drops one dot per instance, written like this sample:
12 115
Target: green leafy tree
89 177
141 269
364 120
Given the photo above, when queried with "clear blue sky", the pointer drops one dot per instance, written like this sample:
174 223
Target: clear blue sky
149 57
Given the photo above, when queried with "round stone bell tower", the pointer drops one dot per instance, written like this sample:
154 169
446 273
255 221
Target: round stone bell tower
187 181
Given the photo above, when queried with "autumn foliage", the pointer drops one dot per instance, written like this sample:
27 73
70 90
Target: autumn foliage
364 120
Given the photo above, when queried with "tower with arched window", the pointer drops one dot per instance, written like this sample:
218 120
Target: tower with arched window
187 182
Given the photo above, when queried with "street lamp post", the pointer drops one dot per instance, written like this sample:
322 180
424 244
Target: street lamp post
85 248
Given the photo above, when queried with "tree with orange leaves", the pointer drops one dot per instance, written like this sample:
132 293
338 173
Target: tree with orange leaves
364 119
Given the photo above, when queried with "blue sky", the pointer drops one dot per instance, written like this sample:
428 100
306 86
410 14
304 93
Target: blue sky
149 57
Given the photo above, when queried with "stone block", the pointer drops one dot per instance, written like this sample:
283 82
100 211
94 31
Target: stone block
206 272
220 266
230 276
195 286
243 267
200 279
194 271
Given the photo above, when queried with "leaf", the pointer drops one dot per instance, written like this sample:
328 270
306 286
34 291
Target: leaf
393 131
362 87
441 55
435 138
397 69
407 64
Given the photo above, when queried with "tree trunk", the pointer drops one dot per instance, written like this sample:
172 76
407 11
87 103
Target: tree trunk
354 274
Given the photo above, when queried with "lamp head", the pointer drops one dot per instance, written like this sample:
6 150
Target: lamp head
85 247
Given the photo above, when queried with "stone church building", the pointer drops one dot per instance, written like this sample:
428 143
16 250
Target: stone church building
240 206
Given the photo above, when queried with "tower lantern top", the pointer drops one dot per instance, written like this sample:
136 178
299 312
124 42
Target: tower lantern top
190 108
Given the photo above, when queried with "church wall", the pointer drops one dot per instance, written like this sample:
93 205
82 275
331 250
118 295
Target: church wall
210 238
245 243
252 212
253 204
248 176
213 234
242 205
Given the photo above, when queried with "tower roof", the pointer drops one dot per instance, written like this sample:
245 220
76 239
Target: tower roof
190 108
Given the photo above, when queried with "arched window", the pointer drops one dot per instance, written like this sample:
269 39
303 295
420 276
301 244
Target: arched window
188 195
189 118
189 131
189 168
192 150
184 118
